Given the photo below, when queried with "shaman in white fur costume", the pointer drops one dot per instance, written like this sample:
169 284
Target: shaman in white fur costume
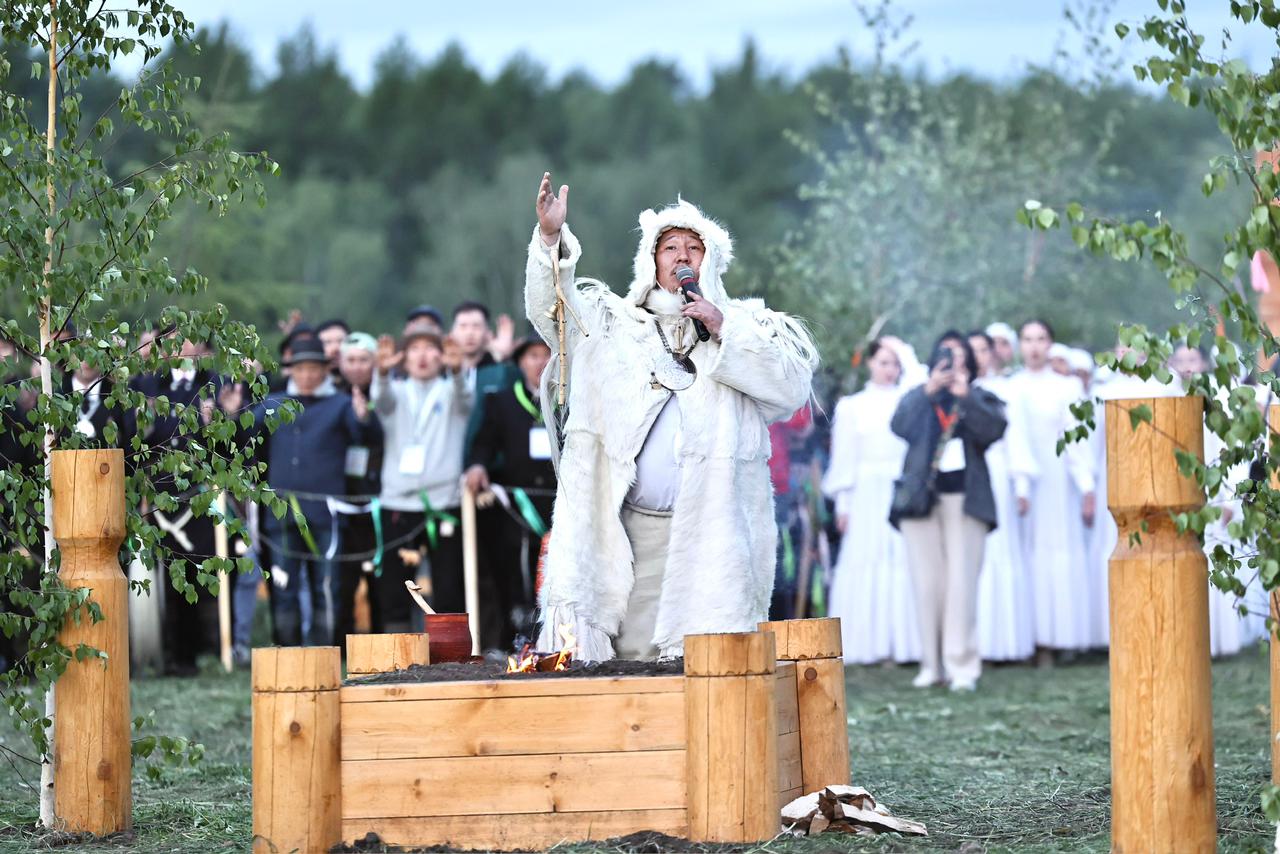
720 565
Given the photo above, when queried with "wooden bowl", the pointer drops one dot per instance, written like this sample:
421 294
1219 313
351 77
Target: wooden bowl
450 637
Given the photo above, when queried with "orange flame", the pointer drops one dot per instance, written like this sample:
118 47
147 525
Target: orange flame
529 661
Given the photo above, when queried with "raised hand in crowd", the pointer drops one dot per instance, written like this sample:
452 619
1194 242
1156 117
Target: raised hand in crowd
504 340
476 479
451 356
359 403
388 356
552 209
290 322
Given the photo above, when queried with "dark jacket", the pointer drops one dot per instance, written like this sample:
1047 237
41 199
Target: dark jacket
309 455
981 424
166 433
490 379
501 443
97 417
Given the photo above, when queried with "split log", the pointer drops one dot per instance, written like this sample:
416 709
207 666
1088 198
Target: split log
732 737
815 647
1161 707
297 800
92 736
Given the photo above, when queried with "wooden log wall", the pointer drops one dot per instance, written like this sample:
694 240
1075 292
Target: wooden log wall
816 649
732 737
297 795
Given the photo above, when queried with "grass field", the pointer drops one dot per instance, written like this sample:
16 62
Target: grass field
1022 765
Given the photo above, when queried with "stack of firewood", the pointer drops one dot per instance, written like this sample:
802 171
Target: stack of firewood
844 809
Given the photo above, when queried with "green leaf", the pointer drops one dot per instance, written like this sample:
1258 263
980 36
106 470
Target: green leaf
1140 414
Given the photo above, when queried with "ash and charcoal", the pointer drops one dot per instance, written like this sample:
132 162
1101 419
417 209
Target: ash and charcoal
644 842
485 670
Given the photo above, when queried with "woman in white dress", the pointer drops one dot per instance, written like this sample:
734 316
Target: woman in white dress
871 593
1060 504
1005 629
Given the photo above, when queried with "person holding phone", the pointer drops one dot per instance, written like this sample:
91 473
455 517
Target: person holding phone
944 506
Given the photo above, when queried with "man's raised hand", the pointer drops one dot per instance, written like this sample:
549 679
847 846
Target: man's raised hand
388 357
552 209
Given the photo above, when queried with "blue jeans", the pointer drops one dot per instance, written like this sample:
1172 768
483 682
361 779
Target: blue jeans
244 598
300 567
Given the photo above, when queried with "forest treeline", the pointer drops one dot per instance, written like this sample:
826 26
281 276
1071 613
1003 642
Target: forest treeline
419 188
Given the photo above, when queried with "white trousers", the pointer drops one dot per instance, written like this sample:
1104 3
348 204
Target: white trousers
944 555
649 534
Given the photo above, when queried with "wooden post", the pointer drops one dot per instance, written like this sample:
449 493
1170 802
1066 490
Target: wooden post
815 646
731 720
1162 779
471 566
92 740
297 785
384 653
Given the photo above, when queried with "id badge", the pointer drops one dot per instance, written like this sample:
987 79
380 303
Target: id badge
357 464
539 443
413 460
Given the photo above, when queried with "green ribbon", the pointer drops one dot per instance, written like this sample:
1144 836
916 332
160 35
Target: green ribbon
523 397
375 508
788 555
433 519
528 511
817 595
303 528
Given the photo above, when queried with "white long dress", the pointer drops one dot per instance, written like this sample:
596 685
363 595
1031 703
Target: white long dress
1053 533
871 593
1229 632
1005 628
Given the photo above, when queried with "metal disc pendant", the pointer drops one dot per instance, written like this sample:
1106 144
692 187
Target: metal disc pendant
675 374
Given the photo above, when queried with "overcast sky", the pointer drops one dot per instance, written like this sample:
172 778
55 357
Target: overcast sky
994 38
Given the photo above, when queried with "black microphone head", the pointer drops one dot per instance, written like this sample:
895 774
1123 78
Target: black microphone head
686 276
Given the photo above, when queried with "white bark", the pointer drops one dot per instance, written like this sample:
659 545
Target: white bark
47 816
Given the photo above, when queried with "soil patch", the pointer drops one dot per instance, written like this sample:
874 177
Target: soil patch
644 842
485 670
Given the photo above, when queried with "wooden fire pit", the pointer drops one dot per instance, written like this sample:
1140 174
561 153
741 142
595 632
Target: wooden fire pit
528 762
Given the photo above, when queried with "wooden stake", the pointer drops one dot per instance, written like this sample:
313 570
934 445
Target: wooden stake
1162 778
92 743
471 566
225 584
297 787
816 648
731 755
384 653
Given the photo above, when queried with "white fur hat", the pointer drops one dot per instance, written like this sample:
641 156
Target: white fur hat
715 239
1058 350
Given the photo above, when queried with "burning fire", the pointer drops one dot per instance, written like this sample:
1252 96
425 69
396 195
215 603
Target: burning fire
530 661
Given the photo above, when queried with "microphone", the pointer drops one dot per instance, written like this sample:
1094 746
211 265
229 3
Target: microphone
689 284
